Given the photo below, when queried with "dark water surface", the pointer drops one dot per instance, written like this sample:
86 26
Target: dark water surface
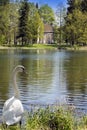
53 77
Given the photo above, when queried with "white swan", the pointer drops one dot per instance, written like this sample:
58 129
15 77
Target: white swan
13 109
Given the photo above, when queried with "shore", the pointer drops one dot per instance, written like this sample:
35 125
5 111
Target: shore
80 48
34 46
46 46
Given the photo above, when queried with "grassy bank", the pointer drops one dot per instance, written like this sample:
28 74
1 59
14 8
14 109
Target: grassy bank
32 46
50 119
46 46
73 48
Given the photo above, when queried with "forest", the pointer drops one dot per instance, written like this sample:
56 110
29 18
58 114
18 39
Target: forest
22 22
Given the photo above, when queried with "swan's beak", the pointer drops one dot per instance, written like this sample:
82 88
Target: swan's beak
25 71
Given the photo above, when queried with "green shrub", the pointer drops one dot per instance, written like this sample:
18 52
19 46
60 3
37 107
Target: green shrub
51 119
2 39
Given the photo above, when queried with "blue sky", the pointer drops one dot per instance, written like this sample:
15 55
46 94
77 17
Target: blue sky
51 3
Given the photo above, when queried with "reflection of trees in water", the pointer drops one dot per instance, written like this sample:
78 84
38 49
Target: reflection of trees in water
39 69
76 76
4 77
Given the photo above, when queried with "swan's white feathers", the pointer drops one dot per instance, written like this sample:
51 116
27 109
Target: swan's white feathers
12 111
13 108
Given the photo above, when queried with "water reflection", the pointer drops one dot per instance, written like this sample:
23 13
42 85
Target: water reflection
53 76
76 77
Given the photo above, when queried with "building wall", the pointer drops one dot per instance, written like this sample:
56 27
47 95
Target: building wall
48 38
48 35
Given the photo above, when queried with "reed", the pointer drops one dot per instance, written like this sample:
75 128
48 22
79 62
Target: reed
49 118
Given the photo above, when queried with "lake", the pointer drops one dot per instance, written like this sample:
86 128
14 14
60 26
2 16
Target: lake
54 77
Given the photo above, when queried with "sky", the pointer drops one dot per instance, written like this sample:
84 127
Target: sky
52 3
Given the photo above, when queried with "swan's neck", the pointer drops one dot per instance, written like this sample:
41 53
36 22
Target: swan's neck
16 91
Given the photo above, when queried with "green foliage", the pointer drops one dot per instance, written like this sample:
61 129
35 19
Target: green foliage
73 4
22 26
30 23
47 14
56 34
2 39
35 25
23 21
76 25
51 118
4 22
84 5
4 2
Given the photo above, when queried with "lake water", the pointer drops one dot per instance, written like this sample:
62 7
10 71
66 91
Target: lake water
53 77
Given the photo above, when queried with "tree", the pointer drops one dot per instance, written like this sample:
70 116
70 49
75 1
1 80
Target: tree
76 27
73 4
47 14
13 17
56 34
4 2
4 22
23 21
84 5
35 25
60 15
38 28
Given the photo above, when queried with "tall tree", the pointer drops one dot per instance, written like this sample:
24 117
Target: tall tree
35 25
60 15
4 2
73 4
14 15
23 21
47 14
84 5
4 21
76 25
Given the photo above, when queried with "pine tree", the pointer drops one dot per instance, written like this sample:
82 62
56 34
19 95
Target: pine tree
76 25
73 4
47 14
4 2
23 21
84 5
4 21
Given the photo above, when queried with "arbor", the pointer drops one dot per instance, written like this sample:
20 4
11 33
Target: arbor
56 34
30 23
47 14
76 25
13 18
4 21
60 15
23 21
4 2
73 4
84 5
37 27
34 25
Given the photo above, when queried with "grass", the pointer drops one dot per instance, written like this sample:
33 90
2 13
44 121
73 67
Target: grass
31 46
45 46
51 119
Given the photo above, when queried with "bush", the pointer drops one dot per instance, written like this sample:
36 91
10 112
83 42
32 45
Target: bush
51 119
2 39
